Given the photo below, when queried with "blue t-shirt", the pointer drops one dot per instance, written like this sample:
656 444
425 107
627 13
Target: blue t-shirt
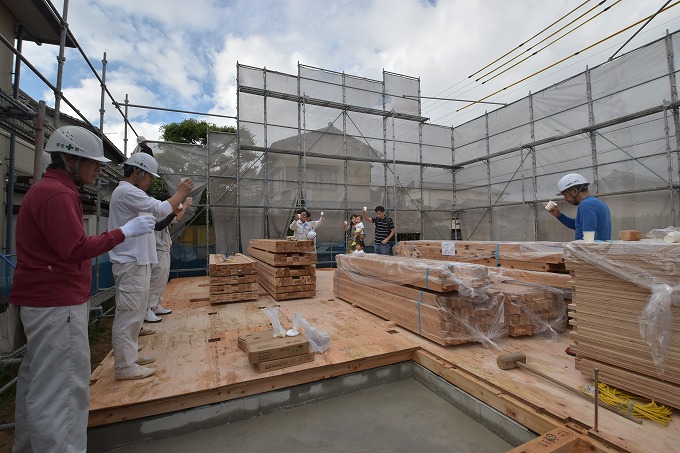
592 215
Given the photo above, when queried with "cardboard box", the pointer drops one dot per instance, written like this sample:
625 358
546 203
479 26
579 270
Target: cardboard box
285 362
261 347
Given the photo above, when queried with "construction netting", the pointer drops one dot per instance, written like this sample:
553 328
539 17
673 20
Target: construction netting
333 142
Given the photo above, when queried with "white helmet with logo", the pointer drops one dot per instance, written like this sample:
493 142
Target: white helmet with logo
141 138
311 234
145 162
570 180
77 141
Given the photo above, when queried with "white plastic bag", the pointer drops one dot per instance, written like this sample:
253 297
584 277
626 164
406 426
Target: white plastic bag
318 341
273 315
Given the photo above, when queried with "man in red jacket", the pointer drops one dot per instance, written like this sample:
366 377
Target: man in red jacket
51 287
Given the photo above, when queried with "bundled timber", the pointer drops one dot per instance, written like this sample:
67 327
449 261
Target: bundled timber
449 303
531 256
232 278
285 268
621 289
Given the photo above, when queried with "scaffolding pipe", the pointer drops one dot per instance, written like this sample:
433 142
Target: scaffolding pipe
39 124
60 66
9 206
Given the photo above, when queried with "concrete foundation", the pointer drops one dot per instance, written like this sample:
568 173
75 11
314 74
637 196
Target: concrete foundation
402 407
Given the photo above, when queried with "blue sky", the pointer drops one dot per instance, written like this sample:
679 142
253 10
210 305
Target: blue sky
182 54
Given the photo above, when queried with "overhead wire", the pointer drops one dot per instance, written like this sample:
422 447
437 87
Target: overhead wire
566 58
439 104
536 35
547 45
641 28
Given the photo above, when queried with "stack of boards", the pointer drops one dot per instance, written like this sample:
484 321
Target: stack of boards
608 298
285 269
267 353
232 278
449 303
531 256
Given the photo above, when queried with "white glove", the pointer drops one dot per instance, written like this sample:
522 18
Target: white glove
138 226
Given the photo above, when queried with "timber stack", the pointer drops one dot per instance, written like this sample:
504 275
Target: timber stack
232 278
285 269
626 316
449 303
532 262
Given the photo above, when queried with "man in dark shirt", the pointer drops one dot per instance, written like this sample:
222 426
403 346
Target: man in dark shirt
384 231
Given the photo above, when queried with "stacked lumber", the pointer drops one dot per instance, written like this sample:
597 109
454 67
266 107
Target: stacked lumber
536 263
613 283
531 256
232 278
267 353
449 303
285 269
530 309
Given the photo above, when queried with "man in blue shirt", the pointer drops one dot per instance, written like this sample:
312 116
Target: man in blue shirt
592 214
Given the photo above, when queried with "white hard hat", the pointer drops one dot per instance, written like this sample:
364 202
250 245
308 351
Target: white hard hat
77 141
570 180
311 235
141 138
145 162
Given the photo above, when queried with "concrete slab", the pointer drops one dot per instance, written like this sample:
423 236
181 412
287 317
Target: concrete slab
362 414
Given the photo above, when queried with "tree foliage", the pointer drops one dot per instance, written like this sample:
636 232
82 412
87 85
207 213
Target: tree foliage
191 131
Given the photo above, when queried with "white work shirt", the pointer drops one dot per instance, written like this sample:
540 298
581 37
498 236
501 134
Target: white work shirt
126 202
301 228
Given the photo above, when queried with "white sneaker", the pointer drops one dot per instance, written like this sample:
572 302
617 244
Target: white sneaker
144 331
145 359
161 310
134 372
150 316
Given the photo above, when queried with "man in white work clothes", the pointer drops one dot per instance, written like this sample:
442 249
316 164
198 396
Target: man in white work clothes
133 258
304 227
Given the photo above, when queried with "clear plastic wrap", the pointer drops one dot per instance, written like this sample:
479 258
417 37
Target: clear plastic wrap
318 341
273 314
490 250
449 302
651 265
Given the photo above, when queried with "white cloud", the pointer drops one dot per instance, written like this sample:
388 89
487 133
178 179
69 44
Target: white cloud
179 54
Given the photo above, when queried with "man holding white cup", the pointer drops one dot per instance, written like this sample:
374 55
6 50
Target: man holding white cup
133 258
593 220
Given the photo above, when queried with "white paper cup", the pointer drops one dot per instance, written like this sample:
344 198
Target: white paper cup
550 206
673 236
144 214
589 236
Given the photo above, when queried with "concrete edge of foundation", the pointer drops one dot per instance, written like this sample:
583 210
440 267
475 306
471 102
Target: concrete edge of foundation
132 432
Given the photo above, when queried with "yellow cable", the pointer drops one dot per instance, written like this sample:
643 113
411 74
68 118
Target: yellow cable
637 406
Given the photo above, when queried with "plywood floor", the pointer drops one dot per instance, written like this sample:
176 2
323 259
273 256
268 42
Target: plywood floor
199 363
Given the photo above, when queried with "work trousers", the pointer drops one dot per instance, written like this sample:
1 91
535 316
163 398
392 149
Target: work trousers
159 278
132 295
52 394
382 249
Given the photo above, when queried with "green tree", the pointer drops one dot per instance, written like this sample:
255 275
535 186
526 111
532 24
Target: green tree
191 131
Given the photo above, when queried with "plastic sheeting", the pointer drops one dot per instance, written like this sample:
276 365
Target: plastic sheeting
335 142
654 266
450 302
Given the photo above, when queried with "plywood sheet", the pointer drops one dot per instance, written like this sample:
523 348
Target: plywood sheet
200 363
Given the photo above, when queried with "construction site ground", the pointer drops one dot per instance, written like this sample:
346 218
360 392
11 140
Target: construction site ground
199 364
